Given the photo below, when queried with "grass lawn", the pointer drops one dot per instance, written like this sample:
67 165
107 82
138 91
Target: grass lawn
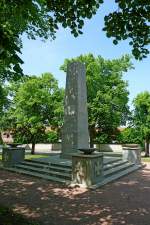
8 217
29 156
145 159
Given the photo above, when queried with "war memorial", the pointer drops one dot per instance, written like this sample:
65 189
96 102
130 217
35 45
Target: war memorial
78 164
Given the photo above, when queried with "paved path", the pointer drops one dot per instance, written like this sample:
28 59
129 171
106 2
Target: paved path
125 202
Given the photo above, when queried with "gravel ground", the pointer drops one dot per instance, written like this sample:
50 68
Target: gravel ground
126 201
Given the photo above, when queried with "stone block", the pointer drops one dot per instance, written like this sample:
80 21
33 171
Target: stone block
132 154
12 156
87 169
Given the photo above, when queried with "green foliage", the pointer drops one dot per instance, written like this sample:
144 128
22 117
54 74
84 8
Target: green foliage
20 137
129 135
41 18
107 92
1 141
141 117
142 113
102 138
37 103
2 98
51 137
37 18
131 20
44 137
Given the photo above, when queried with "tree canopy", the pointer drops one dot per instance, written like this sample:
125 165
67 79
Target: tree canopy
41 18
37 104
106 92
38 18
3 99
129 135
141 116
131 20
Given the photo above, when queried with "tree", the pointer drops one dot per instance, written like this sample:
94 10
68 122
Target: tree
3 99
38 18
129 135
41 18
38 103
107 93
141 117
4 103
131 20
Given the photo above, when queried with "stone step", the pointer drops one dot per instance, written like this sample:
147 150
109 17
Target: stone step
116 176
114 164
111 160
67 164
39 175
62 164
35 164
117 169
44 171
36 161
48 166
113 154
53 163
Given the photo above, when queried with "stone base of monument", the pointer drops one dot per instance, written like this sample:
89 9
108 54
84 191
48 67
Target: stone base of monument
12 156
87 169
90 171
66 156
132 154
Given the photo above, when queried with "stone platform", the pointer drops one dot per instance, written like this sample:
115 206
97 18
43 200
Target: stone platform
55 168
58 159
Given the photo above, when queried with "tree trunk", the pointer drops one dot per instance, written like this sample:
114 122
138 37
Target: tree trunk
147 148
33 148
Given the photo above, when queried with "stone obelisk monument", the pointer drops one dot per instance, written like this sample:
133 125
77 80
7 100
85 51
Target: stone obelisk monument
75 129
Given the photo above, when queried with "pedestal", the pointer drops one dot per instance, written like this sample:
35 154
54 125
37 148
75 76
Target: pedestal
87 169
11 156
132 154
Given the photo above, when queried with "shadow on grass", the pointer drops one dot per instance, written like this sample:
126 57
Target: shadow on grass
123 202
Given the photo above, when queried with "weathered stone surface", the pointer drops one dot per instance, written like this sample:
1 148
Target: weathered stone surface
87 170
75 130
11 156
132 154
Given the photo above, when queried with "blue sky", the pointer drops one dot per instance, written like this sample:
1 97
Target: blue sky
40 57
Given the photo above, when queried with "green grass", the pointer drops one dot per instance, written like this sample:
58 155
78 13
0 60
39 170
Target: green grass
145 159
8 217
29 156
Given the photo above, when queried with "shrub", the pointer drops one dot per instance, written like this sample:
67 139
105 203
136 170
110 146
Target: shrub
128 136
52 137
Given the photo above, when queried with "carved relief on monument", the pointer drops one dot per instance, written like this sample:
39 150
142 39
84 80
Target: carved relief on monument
97 168
81 172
